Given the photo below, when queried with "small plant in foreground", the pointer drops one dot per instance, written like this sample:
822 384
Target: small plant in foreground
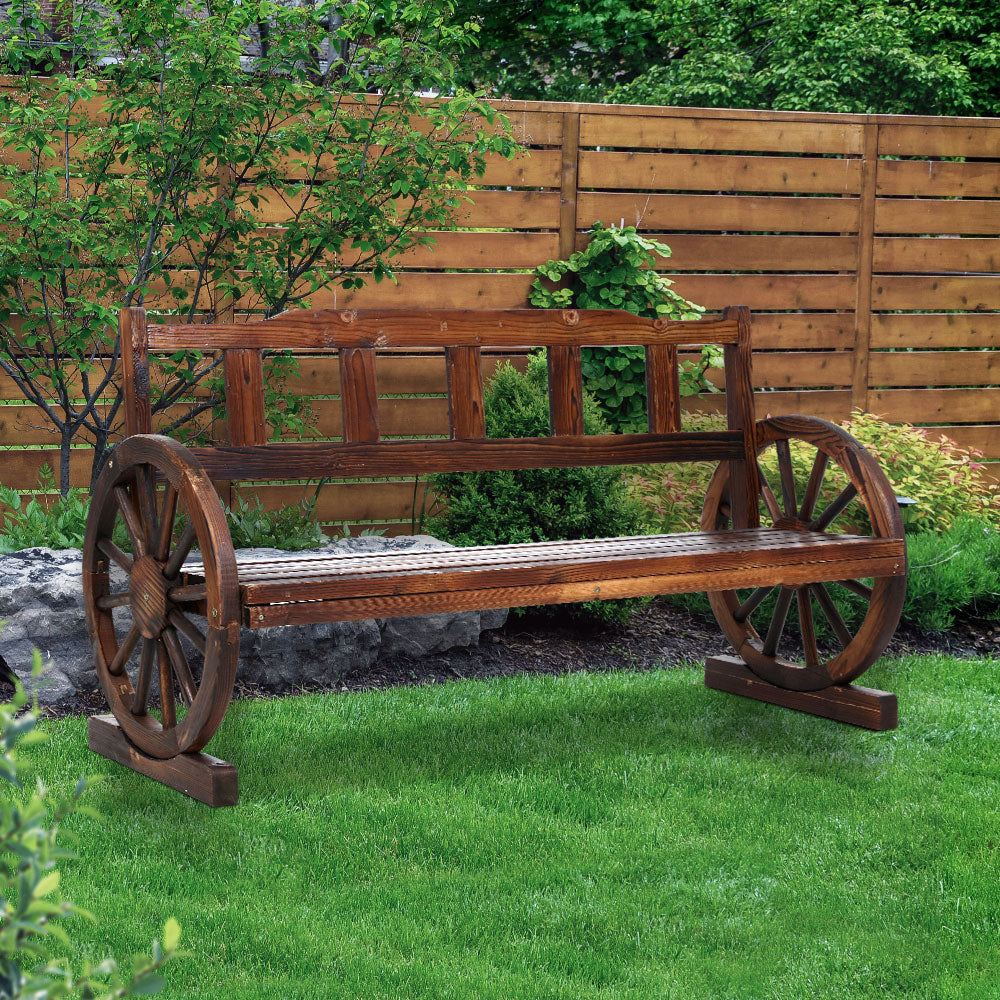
31 911
616 271
535 505
56 525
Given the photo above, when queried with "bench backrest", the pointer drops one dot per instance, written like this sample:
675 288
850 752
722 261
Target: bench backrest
356 335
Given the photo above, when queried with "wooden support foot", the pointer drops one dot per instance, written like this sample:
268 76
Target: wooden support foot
857 706
205 778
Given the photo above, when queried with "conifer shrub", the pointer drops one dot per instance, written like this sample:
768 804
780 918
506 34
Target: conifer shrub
535 505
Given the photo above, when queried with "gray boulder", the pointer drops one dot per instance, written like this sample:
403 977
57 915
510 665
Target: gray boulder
41 607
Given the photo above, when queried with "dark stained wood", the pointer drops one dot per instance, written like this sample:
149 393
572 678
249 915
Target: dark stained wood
663 394
466 411
359 395
332 329
245 417
198 775
411 458
857 706
565 391
741 416
135 370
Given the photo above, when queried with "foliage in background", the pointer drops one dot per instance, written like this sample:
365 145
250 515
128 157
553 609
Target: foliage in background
534 505
135 169
939 57
291 528
31 908
616 271
557 50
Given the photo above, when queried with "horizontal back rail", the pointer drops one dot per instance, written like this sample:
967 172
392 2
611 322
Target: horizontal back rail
332 329
412 458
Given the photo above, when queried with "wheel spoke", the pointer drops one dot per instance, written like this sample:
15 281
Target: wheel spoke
182 671
187 594
179 554
167 707
188 629
844 497
778 621
109 601
787 477
807 626
768 494
147 505
124 651
814 485
132 523
844 636
142 683
857 587
115 554
168 513
747 607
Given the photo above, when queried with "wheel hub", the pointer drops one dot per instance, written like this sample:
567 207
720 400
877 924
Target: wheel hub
148 596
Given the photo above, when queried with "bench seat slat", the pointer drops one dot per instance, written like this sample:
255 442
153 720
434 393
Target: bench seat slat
696 561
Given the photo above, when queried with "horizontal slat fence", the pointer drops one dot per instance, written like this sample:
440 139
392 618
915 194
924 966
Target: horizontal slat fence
868 248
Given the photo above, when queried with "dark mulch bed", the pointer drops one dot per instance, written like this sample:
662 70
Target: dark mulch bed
661 634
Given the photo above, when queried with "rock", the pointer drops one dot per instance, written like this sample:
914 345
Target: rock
41 606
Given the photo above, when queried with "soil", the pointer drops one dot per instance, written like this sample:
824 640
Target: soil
660 634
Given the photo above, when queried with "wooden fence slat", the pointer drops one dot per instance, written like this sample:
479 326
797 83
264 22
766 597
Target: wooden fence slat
925 215
706 172
708 212
936 330
935 254
972 406
937 179
939 368
940 140
655 132
769 291
735 252
972 294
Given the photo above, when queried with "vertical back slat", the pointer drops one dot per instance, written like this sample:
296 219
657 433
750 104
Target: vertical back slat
135 364
663 394
466 413
359 396
740 415
565 390
244 370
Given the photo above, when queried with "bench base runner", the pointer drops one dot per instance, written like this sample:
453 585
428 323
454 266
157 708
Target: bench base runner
199 775
857 706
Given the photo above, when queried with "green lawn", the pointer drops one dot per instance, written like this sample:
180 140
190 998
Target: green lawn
626 835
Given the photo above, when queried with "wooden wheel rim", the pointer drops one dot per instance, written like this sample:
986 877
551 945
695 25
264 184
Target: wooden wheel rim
887 593
195 494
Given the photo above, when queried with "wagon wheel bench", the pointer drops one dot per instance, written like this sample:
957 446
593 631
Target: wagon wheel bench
189 596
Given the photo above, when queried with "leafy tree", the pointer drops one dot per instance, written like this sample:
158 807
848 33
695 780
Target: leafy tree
557 50
136 170
31 910
940 57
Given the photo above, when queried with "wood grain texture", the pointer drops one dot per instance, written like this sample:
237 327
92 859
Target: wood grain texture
565 390
663 394
863 302
411 458
359 395
569 171
132 332
198 775
245 418
466 410
857 706
741 416
330 329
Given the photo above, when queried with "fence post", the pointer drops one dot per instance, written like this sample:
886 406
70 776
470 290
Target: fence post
866 250
568 183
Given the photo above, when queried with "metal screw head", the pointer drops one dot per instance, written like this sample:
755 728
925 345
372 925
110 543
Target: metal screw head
145 597
597 590
215 612
260 617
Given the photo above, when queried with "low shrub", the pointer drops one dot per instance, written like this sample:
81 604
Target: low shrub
31 910
291 528
59 524
534 505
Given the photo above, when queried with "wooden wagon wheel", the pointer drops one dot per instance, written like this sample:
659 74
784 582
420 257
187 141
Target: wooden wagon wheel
863 485
167 505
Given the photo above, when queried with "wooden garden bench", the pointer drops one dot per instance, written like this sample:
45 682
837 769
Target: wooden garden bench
189 596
